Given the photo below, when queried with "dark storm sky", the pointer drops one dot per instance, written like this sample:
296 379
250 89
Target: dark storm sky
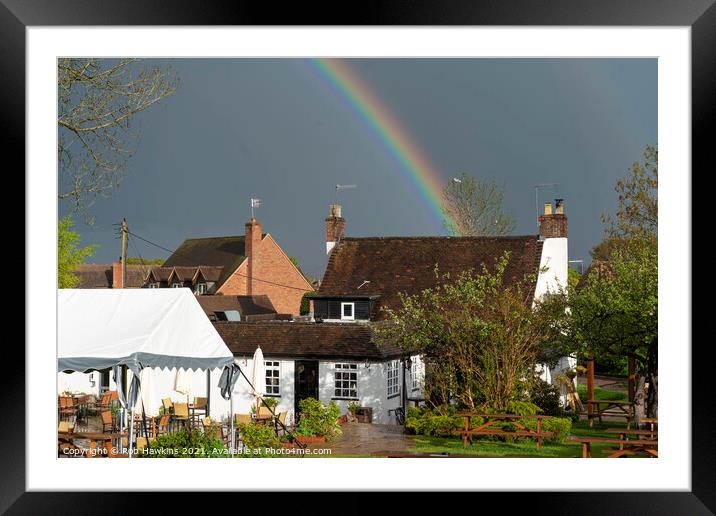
271 129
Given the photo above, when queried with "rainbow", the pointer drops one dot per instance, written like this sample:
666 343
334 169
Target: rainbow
412 162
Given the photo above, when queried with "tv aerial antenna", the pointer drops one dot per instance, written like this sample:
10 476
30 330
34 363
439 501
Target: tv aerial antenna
340 188
537 188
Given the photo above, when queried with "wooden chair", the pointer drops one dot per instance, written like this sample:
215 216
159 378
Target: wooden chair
281 423
67 407
64 426
143 442
163 427
264 415
168 405
199 408
241 419
107 421
181 413
140 427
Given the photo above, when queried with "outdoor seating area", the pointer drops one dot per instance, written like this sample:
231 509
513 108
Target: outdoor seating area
99 434
494 424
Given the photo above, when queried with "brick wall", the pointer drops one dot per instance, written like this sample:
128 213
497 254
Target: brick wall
553 225
272 265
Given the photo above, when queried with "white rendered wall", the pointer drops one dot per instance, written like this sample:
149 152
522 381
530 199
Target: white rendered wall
552 277
372 389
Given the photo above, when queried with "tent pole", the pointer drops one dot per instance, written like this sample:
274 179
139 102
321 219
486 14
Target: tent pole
231 417
131 430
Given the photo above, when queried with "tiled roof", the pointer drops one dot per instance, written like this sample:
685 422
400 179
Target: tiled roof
210 273
216 251
305 340
94 275
246 305
407 264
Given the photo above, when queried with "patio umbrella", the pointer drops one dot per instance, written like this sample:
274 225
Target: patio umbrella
258 376
147 398
182 382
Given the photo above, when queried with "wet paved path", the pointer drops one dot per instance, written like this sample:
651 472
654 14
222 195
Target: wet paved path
362 439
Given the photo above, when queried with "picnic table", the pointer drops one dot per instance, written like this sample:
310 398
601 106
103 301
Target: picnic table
611 408
631 447
104 439
645 435
487 427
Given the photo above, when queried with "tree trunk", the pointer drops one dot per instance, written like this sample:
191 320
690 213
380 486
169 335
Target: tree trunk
653 379
640 397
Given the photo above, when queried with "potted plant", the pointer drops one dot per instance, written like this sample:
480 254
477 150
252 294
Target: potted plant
318 422
353 409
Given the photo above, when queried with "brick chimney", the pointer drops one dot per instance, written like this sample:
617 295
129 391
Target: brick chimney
553 225
335 227
117 274
252 245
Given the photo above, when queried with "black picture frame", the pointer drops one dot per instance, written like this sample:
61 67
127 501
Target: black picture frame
699 15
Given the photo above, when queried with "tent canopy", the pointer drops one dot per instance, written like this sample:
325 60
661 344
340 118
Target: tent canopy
165 328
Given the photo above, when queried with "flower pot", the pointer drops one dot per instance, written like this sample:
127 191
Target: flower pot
310 439
365 415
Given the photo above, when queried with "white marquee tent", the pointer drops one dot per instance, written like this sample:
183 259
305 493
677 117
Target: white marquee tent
139 328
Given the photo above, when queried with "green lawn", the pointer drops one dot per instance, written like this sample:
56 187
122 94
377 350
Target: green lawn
521 448
601 394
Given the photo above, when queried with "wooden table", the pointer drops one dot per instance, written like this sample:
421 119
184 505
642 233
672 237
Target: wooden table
633 447
618 408
491 419
107 449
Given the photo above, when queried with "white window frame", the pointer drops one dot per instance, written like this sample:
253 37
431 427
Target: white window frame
201 288
393 378
345 374
153 284
353 311
274 367
177 285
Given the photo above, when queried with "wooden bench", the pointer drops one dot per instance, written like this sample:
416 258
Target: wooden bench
487 427
645 435
627 447
612 408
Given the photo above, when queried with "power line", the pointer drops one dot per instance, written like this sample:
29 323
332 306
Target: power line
144 265
233 273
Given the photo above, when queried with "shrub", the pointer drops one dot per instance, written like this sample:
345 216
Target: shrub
438 422
185 443
523 408
354 407
258 437
546 397
561 426
319 420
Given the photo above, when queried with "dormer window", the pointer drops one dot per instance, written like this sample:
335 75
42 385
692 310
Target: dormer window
348 311
177 285
201 288
154 284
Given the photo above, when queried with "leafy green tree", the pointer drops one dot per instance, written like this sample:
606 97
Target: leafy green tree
573 278
478 334
475 207
98 101
637 214
615 315
69 256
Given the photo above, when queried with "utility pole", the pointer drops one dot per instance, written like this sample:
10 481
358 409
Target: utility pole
124 252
